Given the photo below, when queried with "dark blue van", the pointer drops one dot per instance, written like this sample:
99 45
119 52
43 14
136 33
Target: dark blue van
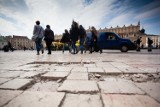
110 40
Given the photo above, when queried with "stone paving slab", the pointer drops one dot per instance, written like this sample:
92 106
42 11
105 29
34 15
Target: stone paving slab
119 86
82 100
151 89
96 70
78 76
79 69
3 80
37 99
133 70
49 86
118 100
8 95
104 64
149 69
1 70
89 65
79 86
119 64
11 74
55 75
112 70
29 67
16 84
29 74
63 69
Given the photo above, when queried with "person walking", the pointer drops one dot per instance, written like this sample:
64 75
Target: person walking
82 36
49 38
149 44
74 32
138 42
93 39
66 40
38 34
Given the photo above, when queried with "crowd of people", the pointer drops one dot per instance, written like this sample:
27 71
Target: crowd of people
69 38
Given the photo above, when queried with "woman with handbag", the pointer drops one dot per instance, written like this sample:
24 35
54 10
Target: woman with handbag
38 34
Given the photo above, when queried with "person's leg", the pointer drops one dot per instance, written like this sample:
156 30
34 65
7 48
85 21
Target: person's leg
63 47
69 46
49 47
81 45
73 47
38 45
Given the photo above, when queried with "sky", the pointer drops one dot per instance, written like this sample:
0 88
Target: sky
17 17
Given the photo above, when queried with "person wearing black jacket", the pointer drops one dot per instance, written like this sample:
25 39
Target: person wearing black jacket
49 38
93 40
150 41
66 40
138 43
82 36
74 32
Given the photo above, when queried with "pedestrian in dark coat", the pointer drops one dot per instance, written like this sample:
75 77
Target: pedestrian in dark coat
93 40
66 40
150 41
138 43
82 36
74 32
49 38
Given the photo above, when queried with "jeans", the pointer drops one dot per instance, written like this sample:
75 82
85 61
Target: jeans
74 47
38 44
81 44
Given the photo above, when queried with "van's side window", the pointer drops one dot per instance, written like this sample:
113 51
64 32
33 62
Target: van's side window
110 36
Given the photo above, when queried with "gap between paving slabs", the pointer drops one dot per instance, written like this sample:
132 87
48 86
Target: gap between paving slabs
65 63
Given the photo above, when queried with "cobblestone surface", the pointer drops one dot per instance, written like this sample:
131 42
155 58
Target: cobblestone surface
110 79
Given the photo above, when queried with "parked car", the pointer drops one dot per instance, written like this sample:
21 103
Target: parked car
110 40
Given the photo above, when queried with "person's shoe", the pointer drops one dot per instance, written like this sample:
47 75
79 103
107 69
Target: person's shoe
38 53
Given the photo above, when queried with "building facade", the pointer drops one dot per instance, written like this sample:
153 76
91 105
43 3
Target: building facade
131 32
19 42
3 42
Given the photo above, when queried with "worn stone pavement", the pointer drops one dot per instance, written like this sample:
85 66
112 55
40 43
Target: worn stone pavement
110 79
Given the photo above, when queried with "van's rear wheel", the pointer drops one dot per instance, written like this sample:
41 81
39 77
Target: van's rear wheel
124 48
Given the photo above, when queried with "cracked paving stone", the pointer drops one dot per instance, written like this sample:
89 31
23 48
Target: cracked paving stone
37 99
78 76
49 86
151 88
118 100
96 70
112 70
11 74
82 100
16 84
79 69
55 75
63 69
3 80
78 86
119 86
7 95
29 74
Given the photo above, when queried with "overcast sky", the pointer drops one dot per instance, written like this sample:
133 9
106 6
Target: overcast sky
17 17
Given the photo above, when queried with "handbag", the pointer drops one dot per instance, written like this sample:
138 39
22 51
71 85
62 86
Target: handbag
35 37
